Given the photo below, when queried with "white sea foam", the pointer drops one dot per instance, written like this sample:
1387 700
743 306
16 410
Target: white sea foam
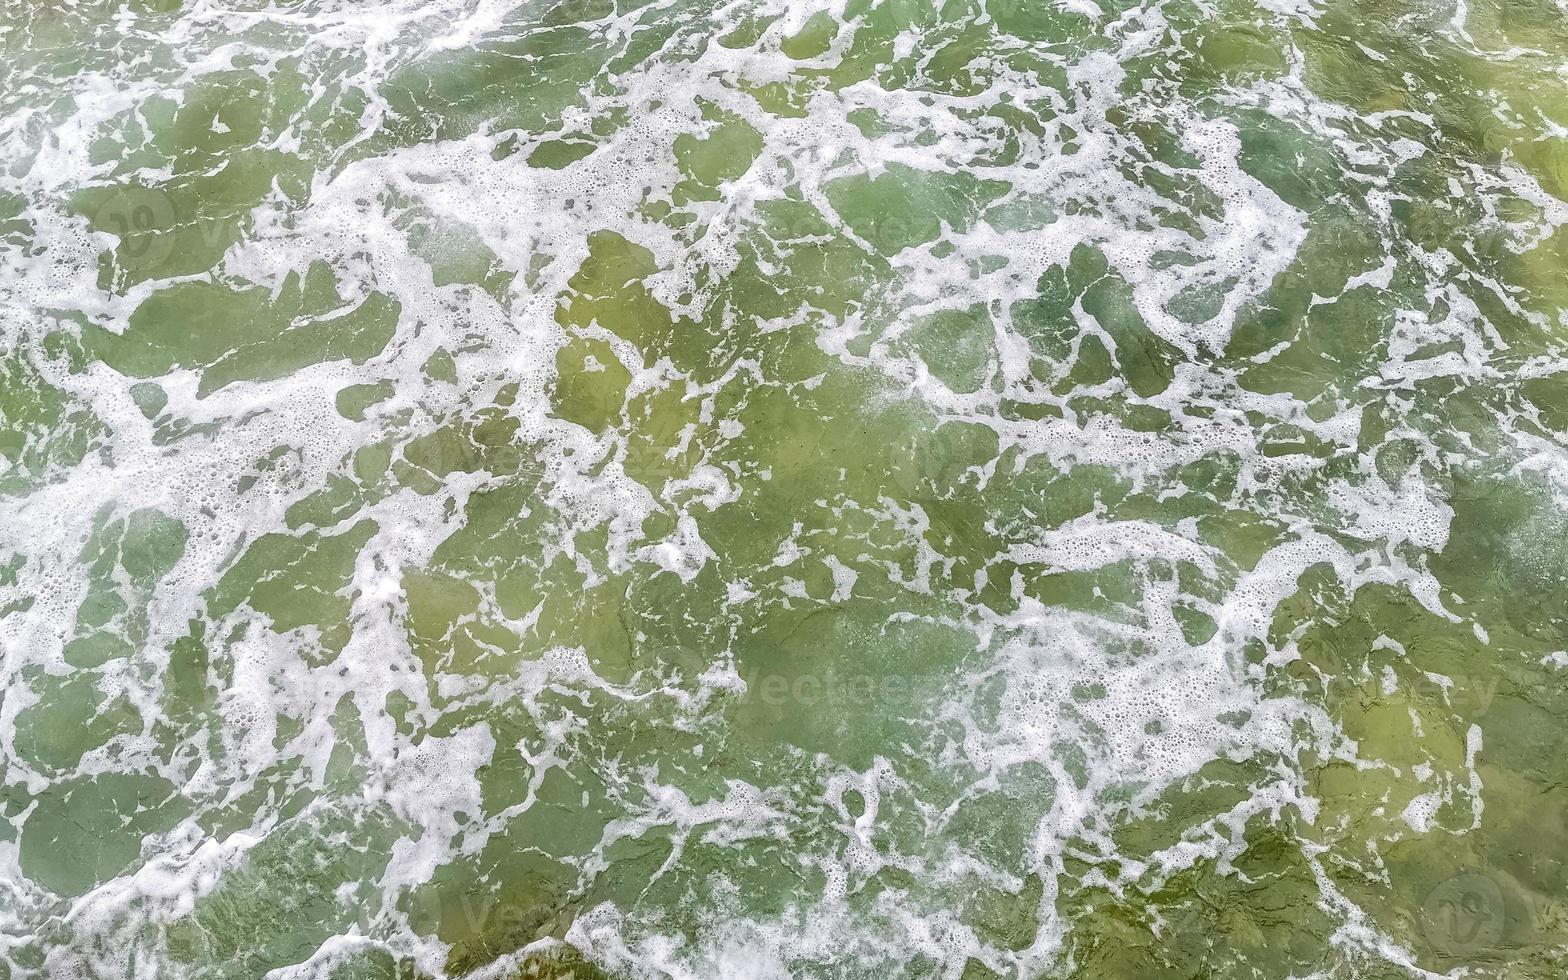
1143 707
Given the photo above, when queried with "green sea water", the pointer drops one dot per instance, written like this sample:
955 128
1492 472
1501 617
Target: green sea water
754 489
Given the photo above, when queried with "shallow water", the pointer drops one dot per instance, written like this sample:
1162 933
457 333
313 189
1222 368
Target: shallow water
762 489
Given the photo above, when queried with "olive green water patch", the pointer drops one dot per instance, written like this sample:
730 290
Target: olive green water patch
242 333
74 715
904 207
1009 920
1266 918
286 897
956 346
1029 23
446 630
591 384
796 263
495 903
997 827
486 439
455 253
42 428
1146 360
441 367
726 153
333 503
806 670
295 580
187 693
577 614
813 38
1021 212
521 84
1329 338
355 400
1048 321
128 557
375 964
87 830
607 291
559 154
213 141
1504 555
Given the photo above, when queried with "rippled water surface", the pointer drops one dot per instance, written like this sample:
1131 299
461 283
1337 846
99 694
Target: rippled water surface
768 489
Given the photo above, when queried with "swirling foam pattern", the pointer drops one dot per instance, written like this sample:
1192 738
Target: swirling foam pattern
761 489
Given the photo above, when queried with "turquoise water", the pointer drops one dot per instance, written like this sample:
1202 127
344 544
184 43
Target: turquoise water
754 489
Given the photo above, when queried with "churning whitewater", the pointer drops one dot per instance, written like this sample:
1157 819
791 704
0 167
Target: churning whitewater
758 489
